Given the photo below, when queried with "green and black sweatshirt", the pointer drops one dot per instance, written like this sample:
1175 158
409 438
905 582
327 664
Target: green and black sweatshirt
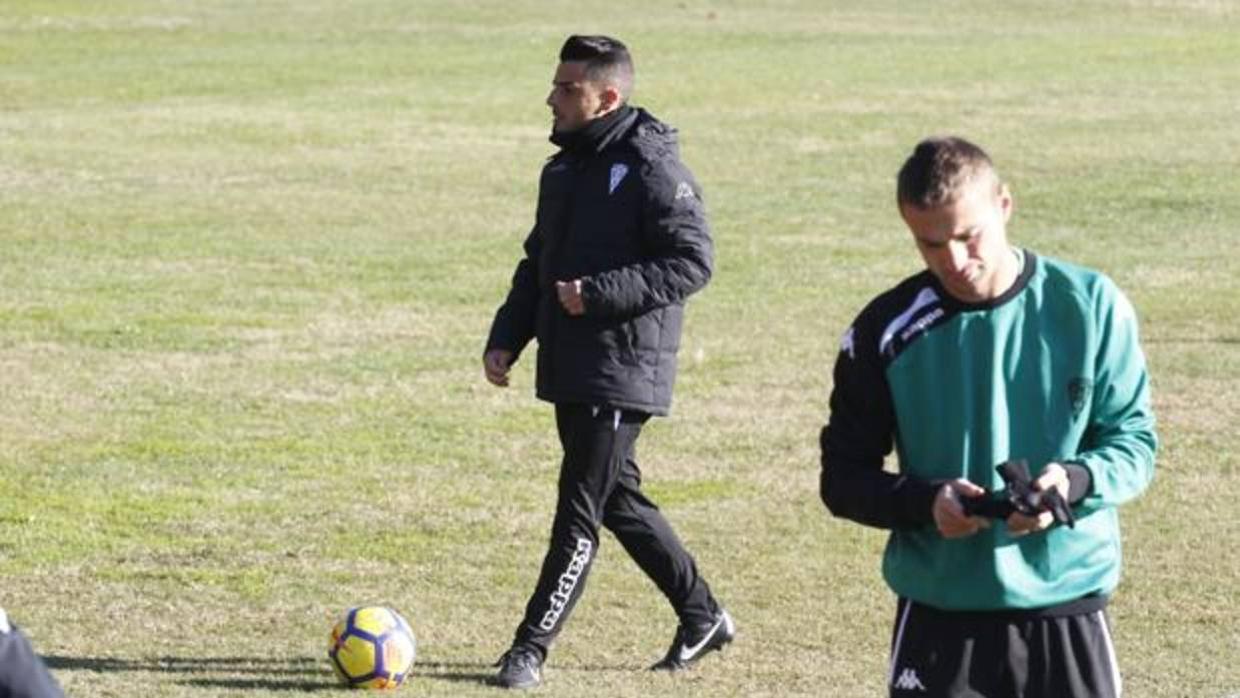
1052 370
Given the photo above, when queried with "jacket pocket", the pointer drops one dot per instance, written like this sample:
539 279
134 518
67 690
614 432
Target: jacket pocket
626 343
644 338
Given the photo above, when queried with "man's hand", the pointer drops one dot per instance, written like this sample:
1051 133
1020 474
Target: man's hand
949 515
1054 476
569 293
495 364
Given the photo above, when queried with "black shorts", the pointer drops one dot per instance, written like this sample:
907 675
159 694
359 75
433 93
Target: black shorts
1061 653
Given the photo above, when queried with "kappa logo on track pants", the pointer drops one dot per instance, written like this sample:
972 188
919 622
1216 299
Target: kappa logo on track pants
568 582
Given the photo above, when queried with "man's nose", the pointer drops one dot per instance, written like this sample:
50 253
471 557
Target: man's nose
957 255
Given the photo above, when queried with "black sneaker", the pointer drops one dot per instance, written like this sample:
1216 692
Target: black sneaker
520 667
691 644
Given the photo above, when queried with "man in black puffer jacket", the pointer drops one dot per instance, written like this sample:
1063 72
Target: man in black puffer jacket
619 242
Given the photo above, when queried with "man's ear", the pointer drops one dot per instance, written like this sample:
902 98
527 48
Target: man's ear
1006 203
609 100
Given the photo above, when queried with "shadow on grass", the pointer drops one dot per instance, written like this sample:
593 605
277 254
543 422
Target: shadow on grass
454 672
190 665
263 684
484 674
277 674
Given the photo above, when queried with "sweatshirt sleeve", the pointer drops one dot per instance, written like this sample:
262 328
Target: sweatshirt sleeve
681 253
858 435
1119 443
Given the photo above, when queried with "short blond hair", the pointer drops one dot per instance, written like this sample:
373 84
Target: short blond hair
939 170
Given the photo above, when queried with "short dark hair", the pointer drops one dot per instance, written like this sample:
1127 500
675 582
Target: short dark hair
606 59
939 169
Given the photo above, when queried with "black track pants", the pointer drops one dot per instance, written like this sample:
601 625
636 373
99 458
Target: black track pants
600 484
945 654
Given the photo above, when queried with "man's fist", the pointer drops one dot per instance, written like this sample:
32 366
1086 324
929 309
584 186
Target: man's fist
495 364
569 293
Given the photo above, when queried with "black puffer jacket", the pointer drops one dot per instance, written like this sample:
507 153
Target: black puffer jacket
617 209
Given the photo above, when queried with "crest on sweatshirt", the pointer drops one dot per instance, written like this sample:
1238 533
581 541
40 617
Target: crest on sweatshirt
1079 392
618 171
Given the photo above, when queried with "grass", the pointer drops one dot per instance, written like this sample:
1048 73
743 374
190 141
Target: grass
249 253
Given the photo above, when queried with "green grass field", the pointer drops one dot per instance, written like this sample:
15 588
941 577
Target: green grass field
249 252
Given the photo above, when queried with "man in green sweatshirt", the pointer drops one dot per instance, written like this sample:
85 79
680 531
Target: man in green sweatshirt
990 354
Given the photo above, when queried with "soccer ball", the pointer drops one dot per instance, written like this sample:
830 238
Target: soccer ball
372 647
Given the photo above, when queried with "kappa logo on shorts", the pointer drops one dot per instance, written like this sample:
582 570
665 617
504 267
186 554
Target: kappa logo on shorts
684 191
909 681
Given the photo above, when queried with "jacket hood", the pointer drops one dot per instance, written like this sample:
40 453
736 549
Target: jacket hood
653 137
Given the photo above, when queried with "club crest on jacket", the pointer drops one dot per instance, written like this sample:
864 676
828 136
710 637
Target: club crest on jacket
618 171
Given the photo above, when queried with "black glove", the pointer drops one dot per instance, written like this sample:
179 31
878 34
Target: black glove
1019 497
